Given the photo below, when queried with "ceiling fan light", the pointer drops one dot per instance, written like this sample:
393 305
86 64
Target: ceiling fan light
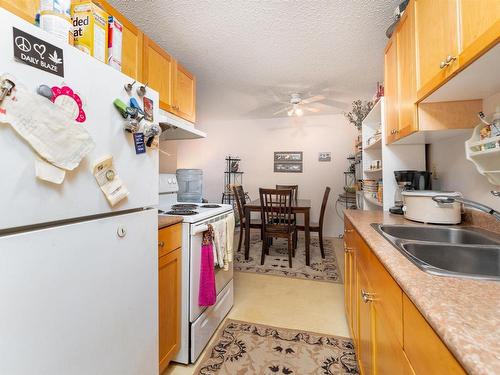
290 112
299 112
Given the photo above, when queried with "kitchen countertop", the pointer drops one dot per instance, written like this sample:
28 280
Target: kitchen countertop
465 313
166 221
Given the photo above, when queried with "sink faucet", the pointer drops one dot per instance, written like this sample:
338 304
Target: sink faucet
478 206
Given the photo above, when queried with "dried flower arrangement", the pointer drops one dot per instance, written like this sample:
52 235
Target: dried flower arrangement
359 111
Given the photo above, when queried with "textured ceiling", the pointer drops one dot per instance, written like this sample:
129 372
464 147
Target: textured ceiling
247 55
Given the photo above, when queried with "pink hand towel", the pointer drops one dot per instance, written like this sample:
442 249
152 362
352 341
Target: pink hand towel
207 294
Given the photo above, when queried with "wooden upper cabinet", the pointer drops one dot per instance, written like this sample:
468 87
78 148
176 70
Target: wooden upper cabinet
26 9
406 73
480 23
184 93
158 70
131 43
476 18
437 39
391 90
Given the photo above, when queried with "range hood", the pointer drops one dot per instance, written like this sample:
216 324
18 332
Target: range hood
175 128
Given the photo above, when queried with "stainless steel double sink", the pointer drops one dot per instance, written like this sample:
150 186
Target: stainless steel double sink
447 251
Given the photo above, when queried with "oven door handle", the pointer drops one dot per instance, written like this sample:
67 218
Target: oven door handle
199 229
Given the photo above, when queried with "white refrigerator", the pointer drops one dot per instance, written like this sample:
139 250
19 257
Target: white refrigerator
78 278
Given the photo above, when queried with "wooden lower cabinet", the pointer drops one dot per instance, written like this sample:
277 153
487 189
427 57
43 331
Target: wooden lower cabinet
424 348
169 295
390 334
365 349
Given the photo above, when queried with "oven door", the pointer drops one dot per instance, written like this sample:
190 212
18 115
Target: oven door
222 277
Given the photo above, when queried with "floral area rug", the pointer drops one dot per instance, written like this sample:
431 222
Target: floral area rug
276 262
246 348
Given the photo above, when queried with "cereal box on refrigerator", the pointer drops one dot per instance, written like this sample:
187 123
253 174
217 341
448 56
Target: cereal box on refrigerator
90 29
115 32
55 17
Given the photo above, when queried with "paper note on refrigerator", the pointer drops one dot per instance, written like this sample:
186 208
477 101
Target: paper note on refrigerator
50 130
107 178
48 172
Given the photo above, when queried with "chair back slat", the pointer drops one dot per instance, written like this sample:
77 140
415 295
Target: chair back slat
294 188
276 207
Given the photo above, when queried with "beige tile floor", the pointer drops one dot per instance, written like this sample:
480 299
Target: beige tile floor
283 302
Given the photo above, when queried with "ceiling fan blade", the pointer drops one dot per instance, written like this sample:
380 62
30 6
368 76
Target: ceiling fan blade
335 103
282 110
313 99
312 109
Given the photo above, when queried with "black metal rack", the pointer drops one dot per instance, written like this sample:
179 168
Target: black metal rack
232 176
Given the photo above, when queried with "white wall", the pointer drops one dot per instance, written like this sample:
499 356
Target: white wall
455 172
255 142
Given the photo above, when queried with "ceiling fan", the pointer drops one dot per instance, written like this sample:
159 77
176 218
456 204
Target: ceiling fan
298 105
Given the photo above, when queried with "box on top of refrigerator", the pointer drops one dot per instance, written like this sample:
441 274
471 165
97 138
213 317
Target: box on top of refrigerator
90 29
115 35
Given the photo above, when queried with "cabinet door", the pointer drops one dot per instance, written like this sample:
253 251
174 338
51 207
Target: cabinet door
388 351
169 303
132 52
26 9
365 325
424 348
437 38
391 91
406 73
477 19
158 72
184 93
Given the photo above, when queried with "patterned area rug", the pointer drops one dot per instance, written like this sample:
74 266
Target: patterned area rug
276 262
245 348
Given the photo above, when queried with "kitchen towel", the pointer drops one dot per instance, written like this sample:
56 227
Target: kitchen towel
207 293
220 241
49 129
228 258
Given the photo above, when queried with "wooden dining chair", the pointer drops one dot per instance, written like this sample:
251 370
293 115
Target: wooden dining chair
295 196
294 188
277 220
240 197
318 227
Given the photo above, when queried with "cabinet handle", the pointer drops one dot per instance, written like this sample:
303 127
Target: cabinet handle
366 297
450 58
446 62
161 243
348 230
348 249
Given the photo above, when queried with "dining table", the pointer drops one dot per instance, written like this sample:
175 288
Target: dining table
299 206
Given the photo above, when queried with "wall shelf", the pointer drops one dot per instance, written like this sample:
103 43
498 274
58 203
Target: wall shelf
372 170
374 146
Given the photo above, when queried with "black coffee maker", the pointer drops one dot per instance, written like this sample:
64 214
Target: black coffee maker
409 180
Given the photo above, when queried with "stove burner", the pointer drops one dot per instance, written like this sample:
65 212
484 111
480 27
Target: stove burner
184 206
211 206
181 212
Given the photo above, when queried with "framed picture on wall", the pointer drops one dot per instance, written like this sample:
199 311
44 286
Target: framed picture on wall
288 162
289 156
288 167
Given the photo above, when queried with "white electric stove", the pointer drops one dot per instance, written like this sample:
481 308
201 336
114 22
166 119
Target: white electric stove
198 324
